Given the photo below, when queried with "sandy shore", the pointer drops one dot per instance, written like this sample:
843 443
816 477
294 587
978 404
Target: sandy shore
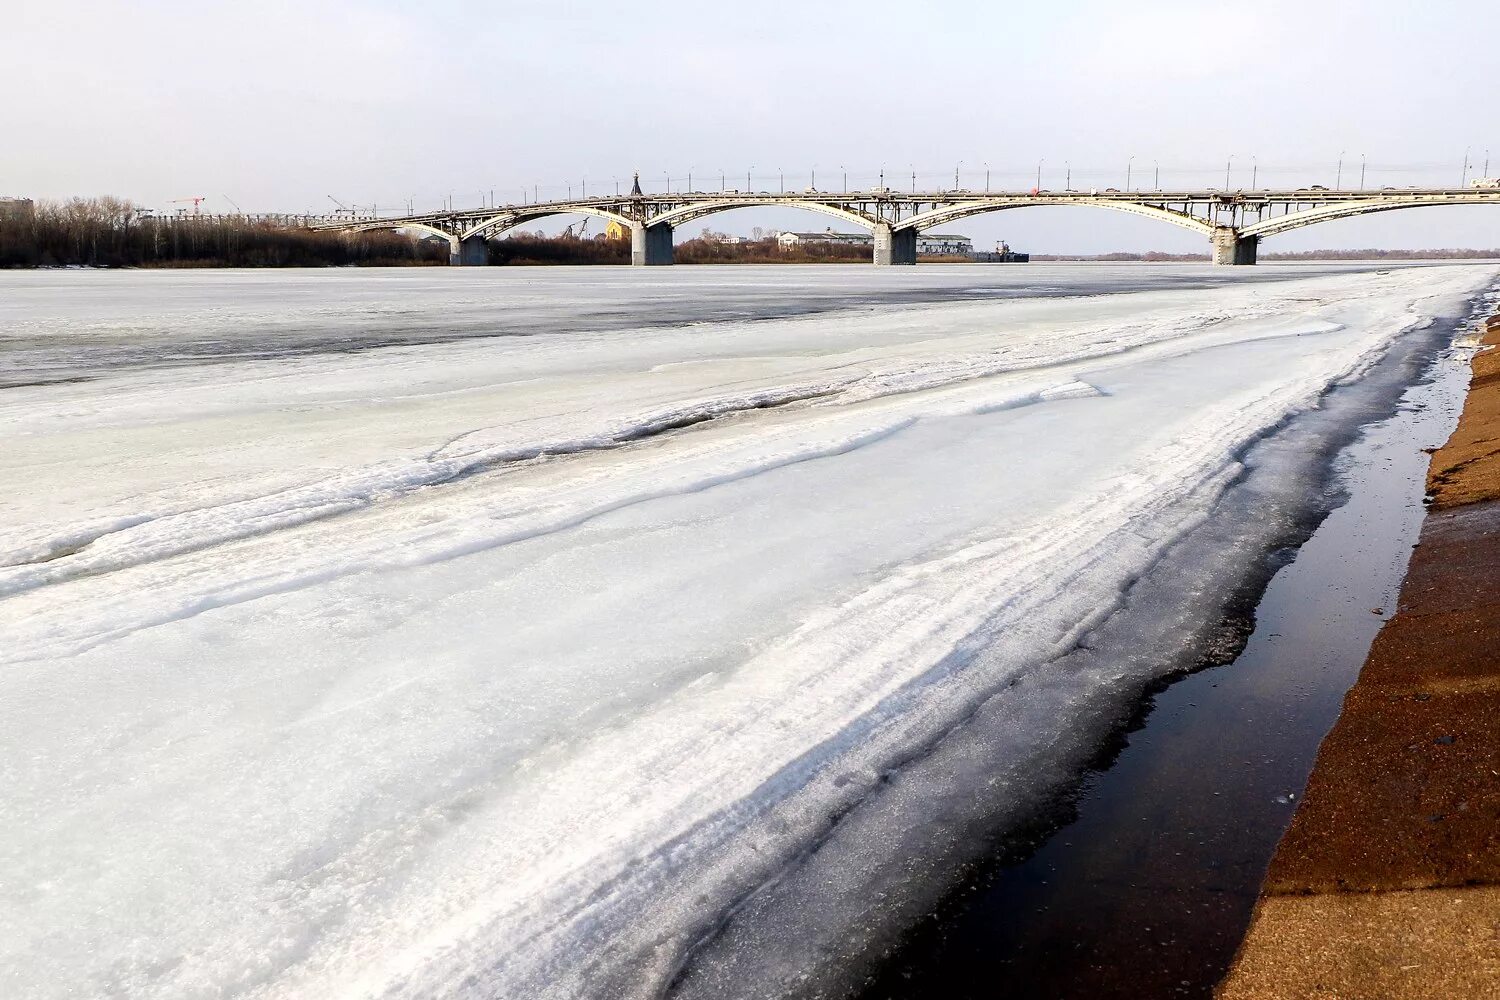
1387 883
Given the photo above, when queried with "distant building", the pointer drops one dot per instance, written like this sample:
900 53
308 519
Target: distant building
789 240
947 244
616 231
928 244
16 210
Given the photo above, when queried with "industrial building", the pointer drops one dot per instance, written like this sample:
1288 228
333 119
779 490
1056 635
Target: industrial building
16 210
928 244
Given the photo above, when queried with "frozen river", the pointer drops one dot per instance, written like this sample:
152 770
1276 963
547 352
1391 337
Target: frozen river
498 633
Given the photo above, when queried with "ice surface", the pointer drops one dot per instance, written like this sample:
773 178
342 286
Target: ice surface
500 665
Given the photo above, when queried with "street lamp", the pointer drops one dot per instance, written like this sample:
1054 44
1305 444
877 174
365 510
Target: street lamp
845 171
1128 165
781 174
1254 170
1067 175
986 178
955 173
1362 171
1463 178
1338 180
1227 164
747 178
1039 173
1156 177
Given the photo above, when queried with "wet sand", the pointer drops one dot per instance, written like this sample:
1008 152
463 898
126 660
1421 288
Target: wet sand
1387 883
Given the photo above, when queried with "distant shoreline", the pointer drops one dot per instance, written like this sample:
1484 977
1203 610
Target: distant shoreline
1314 256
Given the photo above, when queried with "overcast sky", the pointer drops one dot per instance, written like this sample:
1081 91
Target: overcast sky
278 105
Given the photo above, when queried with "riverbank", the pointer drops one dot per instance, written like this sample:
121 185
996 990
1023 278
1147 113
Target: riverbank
1147 888
1387 883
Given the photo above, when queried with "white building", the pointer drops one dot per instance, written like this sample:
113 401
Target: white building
947 244
789 240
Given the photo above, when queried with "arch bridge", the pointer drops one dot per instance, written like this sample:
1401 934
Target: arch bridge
1233 221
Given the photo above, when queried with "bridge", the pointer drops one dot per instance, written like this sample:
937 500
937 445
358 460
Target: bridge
1233 221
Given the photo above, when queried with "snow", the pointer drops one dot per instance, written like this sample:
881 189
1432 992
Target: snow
502 655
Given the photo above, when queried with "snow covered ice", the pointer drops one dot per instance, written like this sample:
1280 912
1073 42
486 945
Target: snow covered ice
494 632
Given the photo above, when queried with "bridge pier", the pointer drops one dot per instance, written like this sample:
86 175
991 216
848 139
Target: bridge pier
472 252
895 246
1232 248
650 246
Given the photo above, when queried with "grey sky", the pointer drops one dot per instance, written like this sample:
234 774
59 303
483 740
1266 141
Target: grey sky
279 104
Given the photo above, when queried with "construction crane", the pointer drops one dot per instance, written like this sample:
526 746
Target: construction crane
351 210
568 233
237 209
196 202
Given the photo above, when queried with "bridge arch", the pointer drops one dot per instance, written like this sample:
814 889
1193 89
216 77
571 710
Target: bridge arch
1338 210
952 213
688 213
366 227
503 221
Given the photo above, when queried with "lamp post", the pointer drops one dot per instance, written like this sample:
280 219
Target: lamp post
1067 175
1039 172
723 181
1254 170
1463 178
845 171
955 174
781 175
1362 159
747 177
1128 165
913 178
1338 178
986 178
1156 177
1227 165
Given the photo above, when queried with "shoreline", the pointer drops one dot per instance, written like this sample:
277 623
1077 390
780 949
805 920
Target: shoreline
1387 882
1145 885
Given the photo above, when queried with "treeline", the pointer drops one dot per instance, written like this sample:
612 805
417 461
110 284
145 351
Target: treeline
534 248
1373 254
110 232
1309 255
